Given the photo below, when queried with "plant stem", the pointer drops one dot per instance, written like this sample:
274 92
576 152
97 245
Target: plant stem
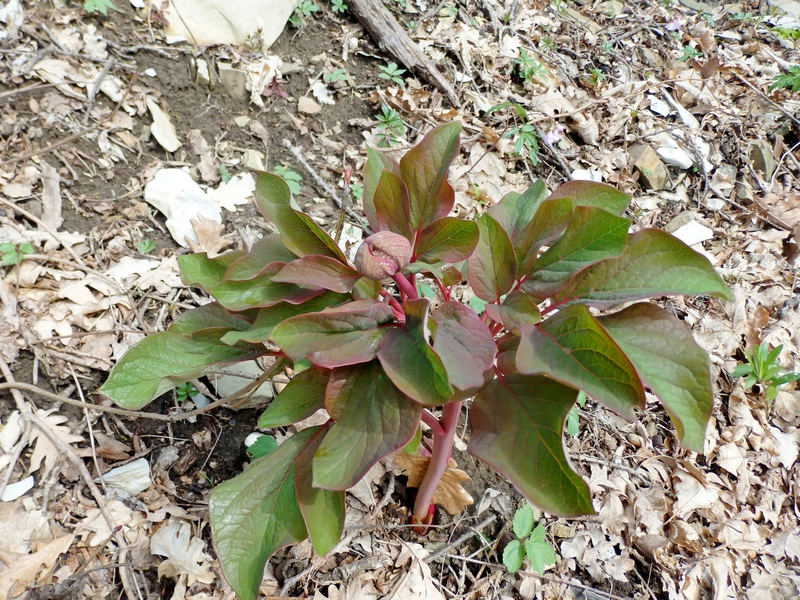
432 422
405 286
398 310
442 446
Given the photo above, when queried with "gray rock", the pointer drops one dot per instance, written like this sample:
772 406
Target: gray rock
652 172
761 158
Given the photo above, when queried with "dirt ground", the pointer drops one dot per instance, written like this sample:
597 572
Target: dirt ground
669 101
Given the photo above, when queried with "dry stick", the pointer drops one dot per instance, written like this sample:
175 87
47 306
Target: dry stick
21 444
95 89
473 530
767 98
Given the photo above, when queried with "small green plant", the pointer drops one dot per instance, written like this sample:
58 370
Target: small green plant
530 542
339 6
391 72
146 246
762 367
185 391
530 70
595 77
101 6
367 347
292 178
789 80
573 417
224 174
786 33
450 11
524 133
689 52
303 10
335 75
607 47
390 129
14 254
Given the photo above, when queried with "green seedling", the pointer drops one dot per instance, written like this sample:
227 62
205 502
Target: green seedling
595 77
573 417
390 129
786 33
530 542
262 446
335 76
303 10
185 391
14 254
146 246
789 80
292 178
338 6
762 367
524 133
689 52
383 359
99 6
391 72
224 174
530 70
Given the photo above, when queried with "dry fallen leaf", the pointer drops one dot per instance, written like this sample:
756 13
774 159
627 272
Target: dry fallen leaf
185 552
24 568
209 236
449 494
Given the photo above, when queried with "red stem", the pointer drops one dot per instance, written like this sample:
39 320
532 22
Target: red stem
405 286
432 422
396 308
442 446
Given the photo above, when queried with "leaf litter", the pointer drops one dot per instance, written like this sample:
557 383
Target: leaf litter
721 169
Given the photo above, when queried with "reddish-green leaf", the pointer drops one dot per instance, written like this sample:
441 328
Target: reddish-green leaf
267 250
517 425
492 266
377 163
593 234
590 193
653 264
573 348
344 335
515 211
298 231
269 317
424 170
208 316
164 360
391 205
256 513
323 271
507 353
323 510
203 272
302 397
670 363
410 362
516 311
550 222
375 419
464 344
261 291
449 240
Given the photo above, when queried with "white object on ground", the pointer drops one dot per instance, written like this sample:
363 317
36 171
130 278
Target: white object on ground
133 477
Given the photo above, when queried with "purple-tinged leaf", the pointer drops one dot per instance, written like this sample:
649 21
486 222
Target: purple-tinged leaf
573 348
391 205
670 363
322 271
302 397
267 250
492 266
208 316
261 291
256 513
507 353
344 335
464 344
593 234
515 211
203 272
550 222
300 234
323 510
449 240
424 170
375 419
516 311
269 317
517 425
410 362
165 360
654 263
376 164
590 193
336 381
366 289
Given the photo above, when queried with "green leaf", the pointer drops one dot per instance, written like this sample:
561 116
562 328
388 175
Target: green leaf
670 363
262 291
516 311
256 513
589 193
164 360
653 264
550 222
376 164
573 421
413 445
492 266
262 446
302 397
374 419
203 272
464 344
208 316
449 240
392 205
411 364
269 317
323 510
593 234
322 271
424 170
516 428
573 348
540 553
335 337
523 521
300 234
515 211
101 6
742 370
267 250
513 555
477 305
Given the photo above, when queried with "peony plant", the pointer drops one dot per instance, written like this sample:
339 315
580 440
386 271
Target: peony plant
564 284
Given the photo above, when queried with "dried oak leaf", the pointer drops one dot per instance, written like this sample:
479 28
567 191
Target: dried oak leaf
449 494
209 236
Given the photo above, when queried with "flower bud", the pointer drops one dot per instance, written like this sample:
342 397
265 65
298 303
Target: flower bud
382 255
